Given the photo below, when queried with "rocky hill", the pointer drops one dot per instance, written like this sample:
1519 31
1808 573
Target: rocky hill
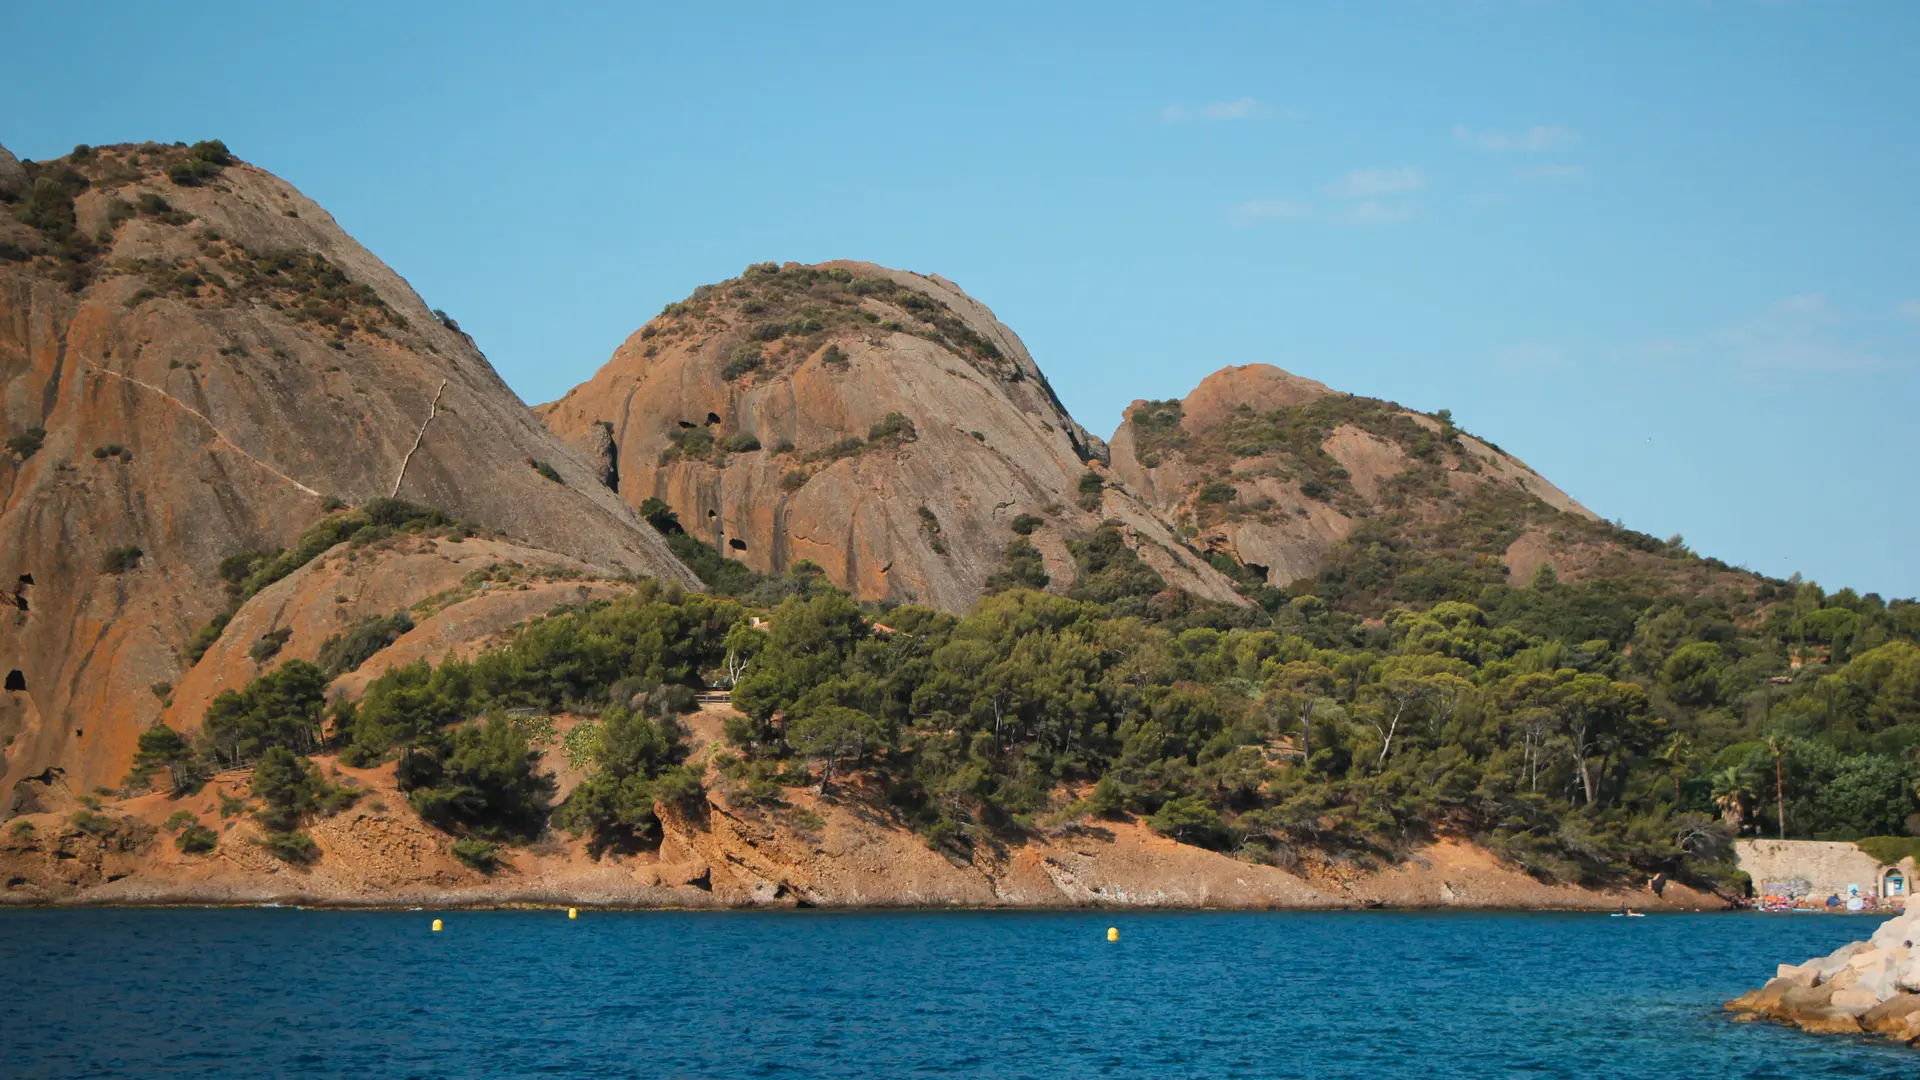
881 424
256 490
1285 482
196 362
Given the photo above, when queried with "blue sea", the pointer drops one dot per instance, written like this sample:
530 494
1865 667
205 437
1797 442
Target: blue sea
251 993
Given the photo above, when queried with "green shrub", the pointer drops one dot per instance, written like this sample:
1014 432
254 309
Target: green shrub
834 451
27 443
833 357
204 637
1189 820
1021 568
1091 486
1890 849
49 204
291 847
740 443
638 766
161 747
204 162
269 644
180 819
280 710
212 151
548 471
1217 492
196 839
247 572
478 854
119 560
477 780
93 824
689 444
745 359
795 480
1025 524
1156 430
345 652
892 427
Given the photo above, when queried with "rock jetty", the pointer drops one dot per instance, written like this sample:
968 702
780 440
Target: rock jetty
1867 987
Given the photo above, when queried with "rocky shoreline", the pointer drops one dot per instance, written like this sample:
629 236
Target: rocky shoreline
824 853
1867 987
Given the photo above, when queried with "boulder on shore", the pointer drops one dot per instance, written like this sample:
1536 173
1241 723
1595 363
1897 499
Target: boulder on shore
1864 986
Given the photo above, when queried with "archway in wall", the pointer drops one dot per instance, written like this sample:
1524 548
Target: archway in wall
1892 883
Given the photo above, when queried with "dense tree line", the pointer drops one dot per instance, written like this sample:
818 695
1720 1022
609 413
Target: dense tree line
1585 731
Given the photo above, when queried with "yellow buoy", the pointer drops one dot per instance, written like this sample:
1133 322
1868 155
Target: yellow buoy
436 926
1113 933
573 913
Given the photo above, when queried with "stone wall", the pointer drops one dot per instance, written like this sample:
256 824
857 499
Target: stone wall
1815 868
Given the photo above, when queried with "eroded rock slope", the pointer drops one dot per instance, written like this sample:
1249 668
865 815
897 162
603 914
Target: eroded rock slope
879 423
1273 471
195 360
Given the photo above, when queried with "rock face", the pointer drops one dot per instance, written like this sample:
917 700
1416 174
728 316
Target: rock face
459 595
881 424
13 177
194 361
1862 987
1274 470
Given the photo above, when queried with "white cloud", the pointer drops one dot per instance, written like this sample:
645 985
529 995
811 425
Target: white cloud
1238 109
1374 213
1804 333
1245 108
1366 213
1254 211
1531 141
1551 172
1532 358
1367 183
1908 310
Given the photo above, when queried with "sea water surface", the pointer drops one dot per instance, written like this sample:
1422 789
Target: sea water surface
246 993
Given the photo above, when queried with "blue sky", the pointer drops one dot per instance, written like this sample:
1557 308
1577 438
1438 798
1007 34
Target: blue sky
1666 252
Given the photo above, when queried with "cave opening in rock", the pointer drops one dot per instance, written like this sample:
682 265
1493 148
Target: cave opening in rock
737 544
687 423
16 680
713 418
26 579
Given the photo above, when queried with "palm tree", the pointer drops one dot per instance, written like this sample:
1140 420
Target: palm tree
1675 754
1732 791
